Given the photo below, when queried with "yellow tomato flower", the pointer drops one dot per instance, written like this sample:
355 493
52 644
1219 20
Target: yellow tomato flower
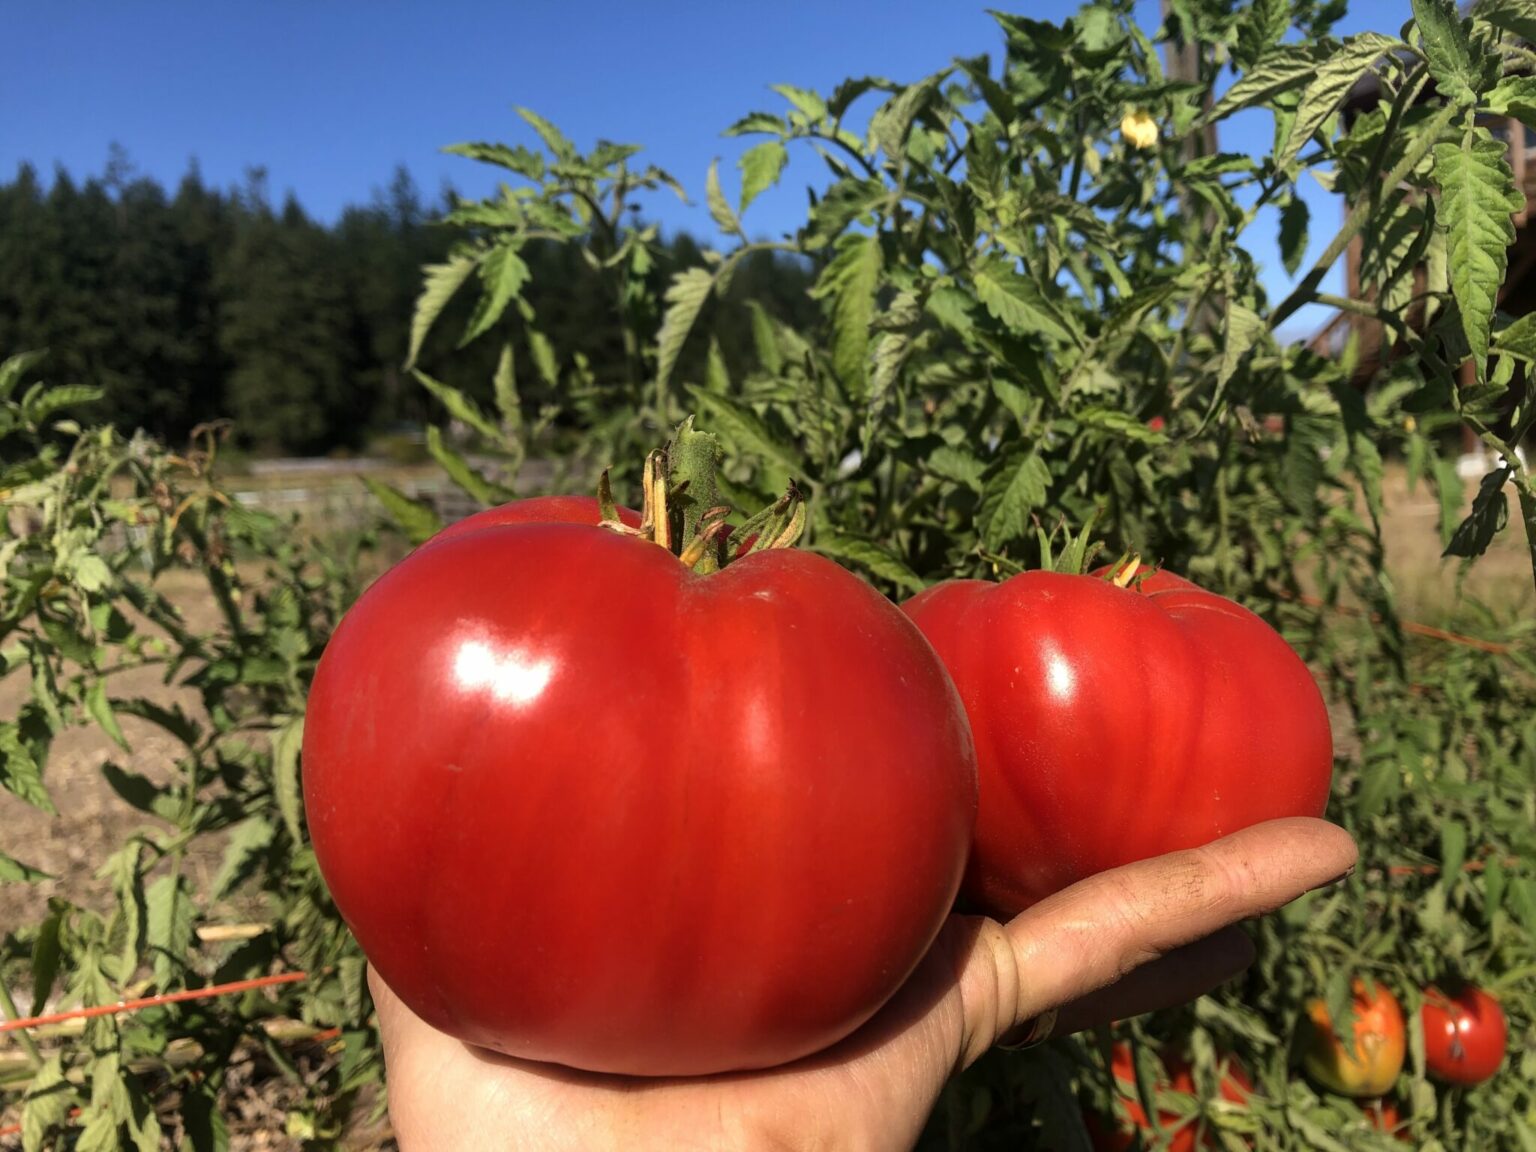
1139 130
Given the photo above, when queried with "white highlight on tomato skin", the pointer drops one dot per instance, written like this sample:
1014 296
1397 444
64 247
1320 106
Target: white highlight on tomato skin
515 677
1060 680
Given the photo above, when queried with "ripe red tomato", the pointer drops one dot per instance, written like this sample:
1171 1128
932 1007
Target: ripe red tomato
1464 1035
1179 1077
1370 1066
1115 724
583 805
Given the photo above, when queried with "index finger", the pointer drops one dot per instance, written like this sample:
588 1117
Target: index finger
1097 931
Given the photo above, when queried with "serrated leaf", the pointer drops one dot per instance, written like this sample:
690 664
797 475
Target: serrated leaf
100 708
416 518
1477 198
553 138
871 557
1016 302
168 917
248 840
761 166
13 368
1518 338
459 406
1011 495
849 282
1513 96
99 1135
439 283
47 1103
890 354
957 465
58 398
1332 81
720 209
754 122
523 161
810 105
892 121
461 473
20 773
502 276
1448 50
685 299
1243 327
286 744
743 432
1279 70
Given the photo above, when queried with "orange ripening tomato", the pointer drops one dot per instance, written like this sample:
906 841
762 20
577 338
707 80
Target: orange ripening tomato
1383 1116
1370 1066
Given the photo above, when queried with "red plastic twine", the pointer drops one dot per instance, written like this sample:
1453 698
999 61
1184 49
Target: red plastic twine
152 1001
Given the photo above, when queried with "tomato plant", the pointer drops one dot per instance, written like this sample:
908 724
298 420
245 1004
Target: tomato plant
1369 1063
1183 1133
583 804
1115 723
1465 1033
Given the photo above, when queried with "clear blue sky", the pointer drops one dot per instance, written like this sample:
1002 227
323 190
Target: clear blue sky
330 96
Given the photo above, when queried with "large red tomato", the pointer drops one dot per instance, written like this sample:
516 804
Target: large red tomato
1179 1077
1114 724
583 805
1370 1065
1464 1035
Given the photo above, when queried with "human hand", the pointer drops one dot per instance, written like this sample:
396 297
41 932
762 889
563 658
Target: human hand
1131 940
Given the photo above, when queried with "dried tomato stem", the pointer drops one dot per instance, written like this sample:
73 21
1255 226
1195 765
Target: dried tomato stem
682 513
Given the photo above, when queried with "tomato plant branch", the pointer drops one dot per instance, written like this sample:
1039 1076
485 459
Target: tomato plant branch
1360 215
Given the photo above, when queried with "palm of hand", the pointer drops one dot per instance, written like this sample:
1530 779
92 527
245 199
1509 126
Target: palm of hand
1129 941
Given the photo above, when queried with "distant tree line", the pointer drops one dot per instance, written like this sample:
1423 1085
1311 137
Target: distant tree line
199 303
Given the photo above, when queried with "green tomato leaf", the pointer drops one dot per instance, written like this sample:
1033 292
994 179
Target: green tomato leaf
849 283
720 209
416 518
685 299
439 283
1477 198
1013 492
1448 50
1329 84
502 276
286 744
761 167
